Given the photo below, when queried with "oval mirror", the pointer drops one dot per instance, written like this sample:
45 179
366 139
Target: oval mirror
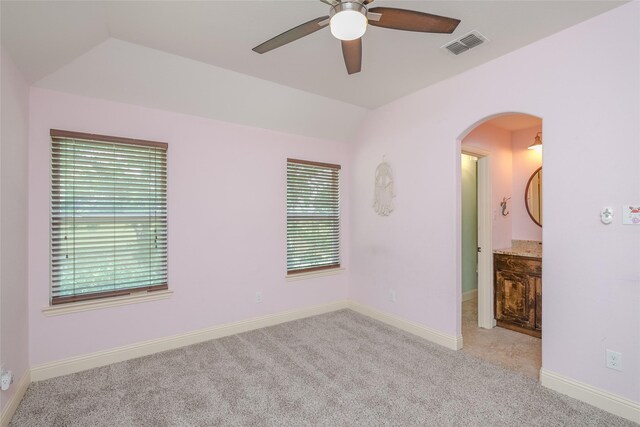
533 197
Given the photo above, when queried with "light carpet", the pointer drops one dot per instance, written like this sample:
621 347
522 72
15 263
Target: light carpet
335 369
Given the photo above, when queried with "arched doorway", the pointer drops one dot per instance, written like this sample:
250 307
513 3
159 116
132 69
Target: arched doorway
498 147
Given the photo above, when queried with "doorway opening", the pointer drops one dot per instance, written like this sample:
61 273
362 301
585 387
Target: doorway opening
476 233
498 236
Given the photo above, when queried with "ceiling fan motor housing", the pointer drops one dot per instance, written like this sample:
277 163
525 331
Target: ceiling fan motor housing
356 6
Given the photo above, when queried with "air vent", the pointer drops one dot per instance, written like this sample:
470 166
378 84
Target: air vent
466 42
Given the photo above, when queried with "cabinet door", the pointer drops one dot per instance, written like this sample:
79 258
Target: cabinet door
538 303
516 298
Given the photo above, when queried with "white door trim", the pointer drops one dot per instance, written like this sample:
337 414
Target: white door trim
486 317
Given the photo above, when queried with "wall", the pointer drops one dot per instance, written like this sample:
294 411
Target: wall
13 224
497 143
227 222
524 162
469 178
588 95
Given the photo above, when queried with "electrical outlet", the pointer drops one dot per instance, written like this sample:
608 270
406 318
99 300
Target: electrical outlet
392 296
258 297
614 360
6 378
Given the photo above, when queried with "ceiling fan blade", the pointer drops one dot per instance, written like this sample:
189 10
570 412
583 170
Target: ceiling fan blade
411 20
366 2
352 52
292 34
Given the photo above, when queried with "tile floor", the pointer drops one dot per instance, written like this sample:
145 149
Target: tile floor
509 349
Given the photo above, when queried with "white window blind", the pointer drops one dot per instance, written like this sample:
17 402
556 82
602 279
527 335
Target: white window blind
313 216
108 216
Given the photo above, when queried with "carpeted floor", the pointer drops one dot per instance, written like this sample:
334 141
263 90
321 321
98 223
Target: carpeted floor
335 369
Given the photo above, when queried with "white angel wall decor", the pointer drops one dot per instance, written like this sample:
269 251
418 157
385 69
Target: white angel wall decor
383 193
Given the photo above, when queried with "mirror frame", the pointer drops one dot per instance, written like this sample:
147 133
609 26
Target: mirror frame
526 201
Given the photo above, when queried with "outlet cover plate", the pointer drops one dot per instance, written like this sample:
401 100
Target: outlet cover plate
614 360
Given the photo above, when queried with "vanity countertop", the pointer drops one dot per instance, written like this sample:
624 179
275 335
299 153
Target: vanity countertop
528 248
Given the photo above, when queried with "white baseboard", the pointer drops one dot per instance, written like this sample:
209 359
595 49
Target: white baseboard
119 354
12 404
145 348
433 335
466 296
594 396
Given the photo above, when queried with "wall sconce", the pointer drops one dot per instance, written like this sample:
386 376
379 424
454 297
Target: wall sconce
537 143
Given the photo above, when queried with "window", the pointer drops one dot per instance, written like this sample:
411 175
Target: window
108 216
313 216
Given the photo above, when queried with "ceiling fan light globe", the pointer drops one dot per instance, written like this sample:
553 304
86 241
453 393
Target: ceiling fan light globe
348 25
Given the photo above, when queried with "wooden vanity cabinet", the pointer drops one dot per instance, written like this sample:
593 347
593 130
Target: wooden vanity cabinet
518 293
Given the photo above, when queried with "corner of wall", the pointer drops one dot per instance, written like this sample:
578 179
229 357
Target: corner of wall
14 330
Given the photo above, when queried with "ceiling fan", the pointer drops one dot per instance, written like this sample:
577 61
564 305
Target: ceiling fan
348 20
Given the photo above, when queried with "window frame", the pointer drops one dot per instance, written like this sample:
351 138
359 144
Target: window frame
338 218
59 301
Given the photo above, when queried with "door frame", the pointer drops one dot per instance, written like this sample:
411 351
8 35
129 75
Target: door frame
486 317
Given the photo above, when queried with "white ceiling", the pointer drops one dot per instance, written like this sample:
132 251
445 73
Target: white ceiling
44 36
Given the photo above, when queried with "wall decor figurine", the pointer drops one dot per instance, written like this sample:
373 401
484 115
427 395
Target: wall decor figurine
383 194
503 205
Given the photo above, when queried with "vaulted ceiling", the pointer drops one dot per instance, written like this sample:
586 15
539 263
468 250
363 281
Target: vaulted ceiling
195 57
43 36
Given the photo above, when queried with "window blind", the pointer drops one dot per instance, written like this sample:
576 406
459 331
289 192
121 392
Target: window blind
313 216
108 216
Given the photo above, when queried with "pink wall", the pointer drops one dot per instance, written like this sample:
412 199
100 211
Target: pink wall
587 95
227 225
497 142
14 341
525 162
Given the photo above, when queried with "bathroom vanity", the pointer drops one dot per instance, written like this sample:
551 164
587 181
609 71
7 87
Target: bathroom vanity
518 287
